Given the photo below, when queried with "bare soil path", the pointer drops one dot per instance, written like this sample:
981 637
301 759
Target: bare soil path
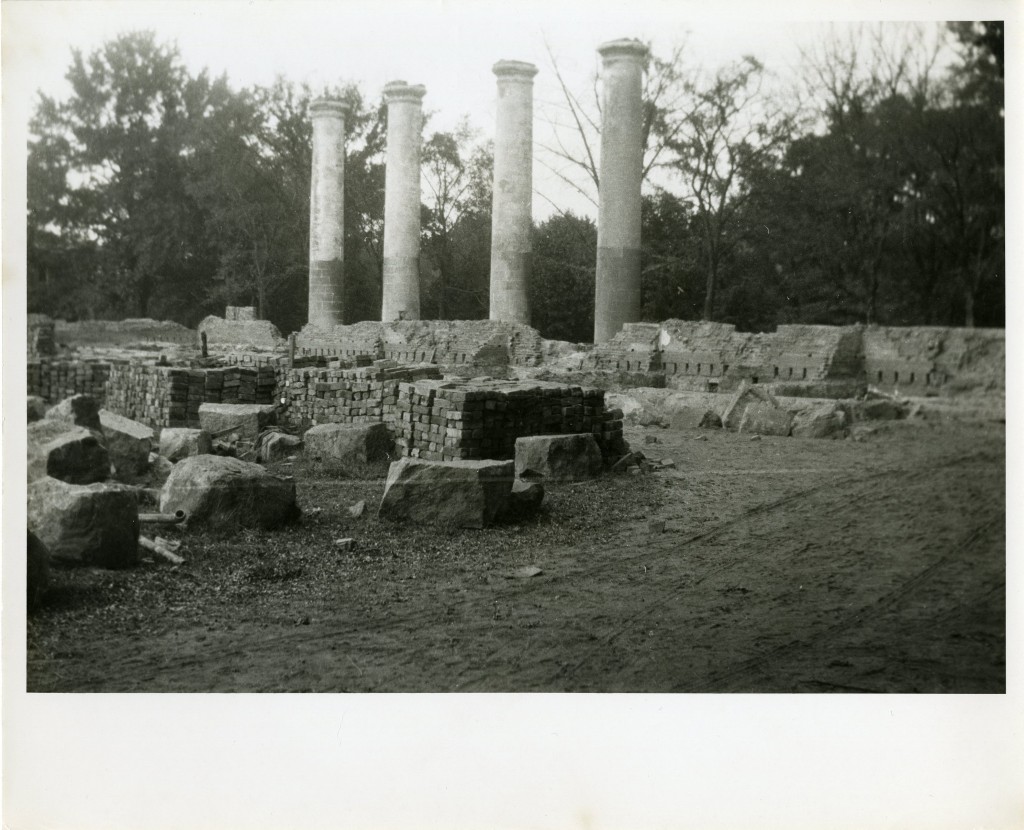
784 566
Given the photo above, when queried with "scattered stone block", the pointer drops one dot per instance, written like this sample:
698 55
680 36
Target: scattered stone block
80 410
823 421
128 443
214 489
345 544
348 443
746 395
36 408
177 443
247 419
37 574
66 452
357 509
97 524
693 417
766 419
559 457
463 493
278 445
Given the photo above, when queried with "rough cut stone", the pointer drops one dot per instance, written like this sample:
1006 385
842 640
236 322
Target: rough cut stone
693 418
559 457
177 443
461 493
216 489
248 420
765 419
823 421
97 524
128 443
37 574
80 410
349 443
745 396
278 445
66 452
36 408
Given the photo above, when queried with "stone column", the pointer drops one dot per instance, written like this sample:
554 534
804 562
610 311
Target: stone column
327 214
401 300
512 209
617 295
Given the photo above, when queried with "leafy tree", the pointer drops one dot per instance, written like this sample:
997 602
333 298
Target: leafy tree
457 225
561 287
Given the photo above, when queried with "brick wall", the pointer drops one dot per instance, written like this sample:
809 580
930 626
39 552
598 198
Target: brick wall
55 380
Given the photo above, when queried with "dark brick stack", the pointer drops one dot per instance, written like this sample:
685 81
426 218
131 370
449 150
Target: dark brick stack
361 395
55 380
445 421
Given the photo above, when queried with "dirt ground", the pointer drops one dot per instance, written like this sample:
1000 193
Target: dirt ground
785 565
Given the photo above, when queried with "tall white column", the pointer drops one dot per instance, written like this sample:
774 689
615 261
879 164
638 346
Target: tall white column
327 214
512 208
401 300
617 290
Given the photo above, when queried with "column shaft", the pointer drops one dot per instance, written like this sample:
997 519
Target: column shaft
327 214
512 208
401 299
617 290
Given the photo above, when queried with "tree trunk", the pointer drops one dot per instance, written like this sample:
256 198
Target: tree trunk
969 307
709 294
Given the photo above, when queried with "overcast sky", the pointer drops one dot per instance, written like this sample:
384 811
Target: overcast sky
447 45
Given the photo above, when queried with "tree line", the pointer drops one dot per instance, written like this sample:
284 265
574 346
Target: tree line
870 190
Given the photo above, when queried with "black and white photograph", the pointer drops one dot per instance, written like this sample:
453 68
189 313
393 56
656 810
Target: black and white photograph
555 381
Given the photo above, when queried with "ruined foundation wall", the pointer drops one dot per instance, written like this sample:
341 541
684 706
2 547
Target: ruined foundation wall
224 334
925 359
123 333
41 342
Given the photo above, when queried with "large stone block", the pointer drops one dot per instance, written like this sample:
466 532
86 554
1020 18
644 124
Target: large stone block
128 443
214 489
97 524
572 457
348 443
80 410
765 419
244 418
461 493
822 421
745 396
279 445
37 573
177 443
66 452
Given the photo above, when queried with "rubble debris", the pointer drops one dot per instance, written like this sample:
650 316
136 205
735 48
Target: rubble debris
559 457
463 493
63 451
348 443
277 445
357 509
527 572
213 489
97 524
345 544
748 394
161 550
177 443
880 409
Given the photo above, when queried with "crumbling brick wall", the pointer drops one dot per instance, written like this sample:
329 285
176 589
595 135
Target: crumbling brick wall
138 331
230 335
922 360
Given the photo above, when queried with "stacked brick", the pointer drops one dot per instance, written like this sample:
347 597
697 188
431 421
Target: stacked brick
347 395
445 421
55 380
168 396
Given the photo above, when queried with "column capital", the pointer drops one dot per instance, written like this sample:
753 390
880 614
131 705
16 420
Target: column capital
401 91
519 71
624 49
328 107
